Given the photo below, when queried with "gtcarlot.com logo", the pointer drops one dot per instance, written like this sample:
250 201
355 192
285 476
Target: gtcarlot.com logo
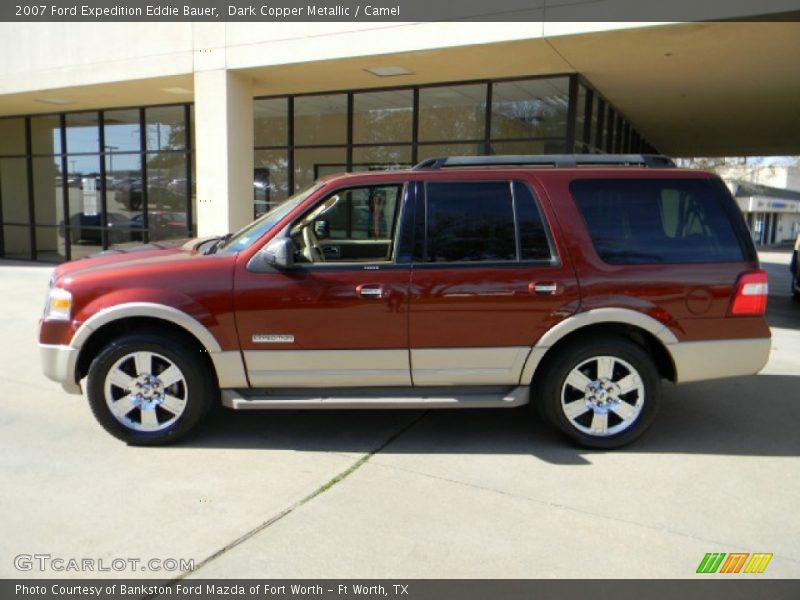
61 564
735 562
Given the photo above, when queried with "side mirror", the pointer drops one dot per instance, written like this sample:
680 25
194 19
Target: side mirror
277 254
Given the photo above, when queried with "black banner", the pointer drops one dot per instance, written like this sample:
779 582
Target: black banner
398 10
399 589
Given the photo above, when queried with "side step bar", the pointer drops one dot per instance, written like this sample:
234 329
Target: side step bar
377 398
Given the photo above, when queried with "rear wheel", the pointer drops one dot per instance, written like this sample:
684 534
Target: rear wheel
147 390
601 393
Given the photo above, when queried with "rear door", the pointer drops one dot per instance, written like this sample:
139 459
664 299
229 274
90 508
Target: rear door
489 279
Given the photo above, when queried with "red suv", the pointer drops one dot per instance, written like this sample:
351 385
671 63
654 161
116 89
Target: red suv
576 283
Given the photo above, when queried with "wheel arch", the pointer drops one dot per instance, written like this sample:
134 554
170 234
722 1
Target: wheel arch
95 340
653 336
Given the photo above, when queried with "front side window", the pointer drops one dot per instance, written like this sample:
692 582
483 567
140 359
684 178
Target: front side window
485 221
351 225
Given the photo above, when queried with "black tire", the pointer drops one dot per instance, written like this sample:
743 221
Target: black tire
197 389
795 292
643 402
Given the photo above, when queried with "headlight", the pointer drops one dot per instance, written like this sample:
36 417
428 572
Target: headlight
59 305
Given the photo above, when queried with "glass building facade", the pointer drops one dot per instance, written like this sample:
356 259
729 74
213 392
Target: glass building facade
301 138
74 183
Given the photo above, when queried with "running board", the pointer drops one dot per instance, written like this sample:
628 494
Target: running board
377 398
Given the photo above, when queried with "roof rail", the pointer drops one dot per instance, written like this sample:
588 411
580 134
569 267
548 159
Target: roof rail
547 160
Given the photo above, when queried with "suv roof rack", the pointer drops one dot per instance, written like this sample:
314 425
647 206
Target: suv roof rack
547 160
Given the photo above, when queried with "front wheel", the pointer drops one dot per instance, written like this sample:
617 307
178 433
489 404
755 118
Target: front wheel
147 390
601 393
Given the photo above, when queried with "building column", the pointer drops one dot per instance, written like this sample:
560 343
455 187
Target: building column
223 122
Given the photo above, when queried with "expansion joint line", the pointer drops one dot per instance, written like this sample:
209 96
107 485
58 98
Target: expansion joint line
287 511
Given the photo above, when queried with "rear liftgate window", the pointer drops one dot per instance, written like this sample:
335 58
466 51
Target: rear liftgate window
652 221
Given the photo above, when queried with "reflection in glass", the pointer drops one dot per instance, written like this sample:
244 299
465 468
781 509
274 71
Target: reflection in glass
534 108
46 134
122 131
609 132
320 120
83 187
83 133
312 163
533 147
455 112
124 194
271 122
581 144
381 117
435 150
48 193
165 128
14 190
16 241
270 180
166 185
469 222
378 158
12 137
50 244
595 119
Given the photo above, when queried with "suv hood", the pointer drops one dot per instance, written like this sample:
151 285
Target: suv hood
126 255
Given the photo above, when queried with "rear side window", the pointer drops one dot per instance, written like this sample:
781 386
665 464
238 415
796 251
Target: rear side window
483 222
651 221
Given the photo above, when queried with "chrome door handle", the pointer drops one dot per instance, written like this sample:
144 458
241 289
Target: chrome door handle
366 290
545 288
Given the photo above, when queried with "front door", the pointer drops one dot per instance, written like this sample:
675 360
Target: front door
340 317
487 283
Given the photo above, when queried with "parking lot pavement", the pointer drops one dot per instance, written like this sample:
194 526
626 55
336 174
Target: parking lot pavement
404 493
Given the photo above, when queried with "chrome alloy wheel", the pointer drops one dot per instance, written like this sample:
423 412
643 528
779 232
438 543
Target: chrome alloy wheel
145 391
602 396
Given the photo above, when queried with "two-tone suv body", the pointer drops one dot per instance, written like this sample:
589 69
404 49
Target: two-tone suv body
574 283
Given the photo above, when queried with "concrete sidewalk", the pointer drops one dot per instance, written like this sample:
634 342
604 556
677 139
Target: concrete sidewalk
403 493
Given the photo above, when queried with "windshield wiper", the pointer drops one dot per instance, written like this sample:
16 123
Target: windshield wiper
219 243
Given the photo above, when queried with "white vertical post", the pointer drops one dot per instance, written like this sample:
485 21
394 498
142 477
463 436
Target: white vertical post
224 151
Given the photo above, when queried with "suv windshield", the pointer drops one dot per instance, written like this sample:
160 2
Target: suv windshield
247 236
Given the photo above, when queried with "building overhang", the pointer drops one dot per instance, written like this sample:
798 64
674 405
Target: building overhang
692 89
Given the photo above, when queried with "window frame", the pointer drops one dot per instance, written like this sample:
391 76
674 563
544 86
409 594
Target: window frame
404 220
419 251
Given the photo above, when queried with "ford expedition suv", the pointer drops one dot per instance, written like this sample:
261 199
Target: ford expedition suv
574 283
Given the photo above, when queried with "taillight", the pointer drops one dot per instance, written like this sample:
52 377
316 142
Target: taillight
751 294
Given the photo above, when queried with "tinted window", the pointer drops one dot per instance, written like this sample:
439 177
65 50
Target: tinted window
637 221
469 222
533 242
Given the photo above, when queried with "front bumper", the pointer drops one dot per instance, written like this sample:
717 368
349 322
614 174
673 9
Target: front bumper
58 364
